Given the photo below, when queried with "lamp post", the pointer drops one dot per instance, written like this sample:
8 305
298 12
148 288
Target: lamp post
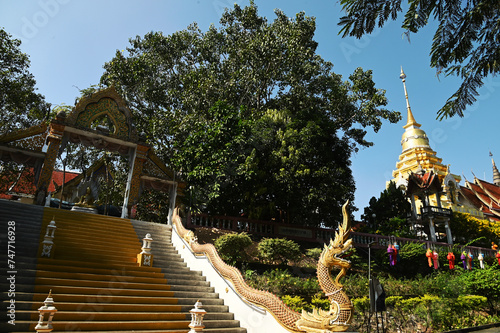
197 314
48 309
48 243
370 259
145 258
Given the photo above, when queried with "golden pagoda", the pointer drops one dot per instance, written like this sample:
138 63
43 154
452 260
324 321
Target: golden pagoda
429 185
417 154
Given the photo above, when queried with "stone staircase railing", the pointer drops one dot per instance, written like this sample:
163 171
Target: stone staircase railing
259 311
313 234
378 241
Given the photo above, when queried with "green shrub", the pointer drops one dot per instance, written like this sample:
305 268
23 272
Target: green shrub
482 282
393 301
320 301
231 247
471 302
314 253
355 285
296 303
361 304
281 282
278 250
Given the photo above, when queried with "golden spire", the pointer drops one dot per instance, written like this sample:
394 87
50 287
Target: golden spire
411 120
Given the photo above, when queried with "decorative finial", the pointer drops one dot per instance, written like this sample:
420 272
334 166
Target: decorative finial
402 76
496 173
411 120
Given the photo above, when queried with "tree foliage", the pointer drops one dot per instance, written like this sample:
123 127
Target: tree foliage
466 42
20 104
278 250
465 228
259 123
231 247
387 214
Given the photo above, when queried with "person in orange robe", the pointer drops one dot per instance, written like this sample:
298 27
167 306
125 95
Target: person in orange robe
451 260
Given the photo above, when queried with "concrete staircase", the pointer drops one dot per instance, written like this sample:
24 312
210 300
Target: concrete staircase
187 285
96 283
26 221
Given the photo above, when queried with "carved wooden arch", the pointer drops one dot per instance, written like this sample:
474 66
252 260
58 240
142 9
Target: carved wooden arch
77 127
106 102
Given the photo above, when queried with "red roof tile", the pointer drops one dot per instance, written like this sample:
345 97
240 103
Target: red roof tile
26 185
492 190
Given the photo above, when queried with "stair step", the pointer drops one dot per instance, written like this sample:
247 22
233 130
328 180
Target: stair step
114 266
104 271
98 292
100 284
100 277
123 316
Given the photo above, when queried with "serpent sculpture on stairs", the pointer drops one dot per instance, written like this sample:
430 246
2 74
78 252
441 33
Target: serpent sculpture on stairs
336 319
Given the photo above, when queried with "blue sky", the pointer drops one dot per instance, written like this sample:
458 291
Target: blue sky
69 41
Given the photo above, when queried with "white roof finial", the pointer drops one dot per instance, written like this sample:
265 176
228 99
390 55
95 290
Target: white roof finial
411 120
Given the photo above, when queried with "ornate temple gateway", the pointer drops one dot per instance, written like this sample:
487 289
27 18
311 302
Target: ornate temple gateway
434 192
39 146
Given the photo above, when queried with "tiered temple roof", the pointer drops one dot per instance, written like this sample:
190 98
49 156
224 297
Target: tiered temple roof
484 196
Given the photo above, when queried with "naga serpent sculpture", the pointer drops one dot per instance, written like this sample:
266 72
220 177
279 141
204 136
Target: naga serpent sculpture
337 319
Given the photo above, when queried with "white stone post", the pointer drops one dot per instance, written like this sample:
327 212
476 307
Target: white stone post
48 309
197 314
145 258
48 243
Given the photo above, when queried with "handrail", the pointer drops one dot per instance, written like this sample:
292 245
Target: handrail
379 241
312 234
261 228
280 311
436 210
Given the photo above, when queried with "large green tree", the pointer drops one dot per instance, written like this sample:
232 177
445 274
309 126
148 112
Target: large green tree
387 214
304 120
466 42
20 104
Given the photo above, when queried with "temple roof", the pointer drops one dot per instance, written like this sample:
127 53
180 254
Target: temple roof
423 181
23 185
490 189
484 196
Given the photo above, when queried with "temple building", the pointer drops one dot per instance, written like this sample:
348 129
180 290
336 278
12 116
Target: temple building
434 192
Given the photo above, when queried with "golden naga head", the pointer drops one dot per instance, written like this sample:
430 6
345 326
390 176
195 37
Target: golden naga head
340 244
